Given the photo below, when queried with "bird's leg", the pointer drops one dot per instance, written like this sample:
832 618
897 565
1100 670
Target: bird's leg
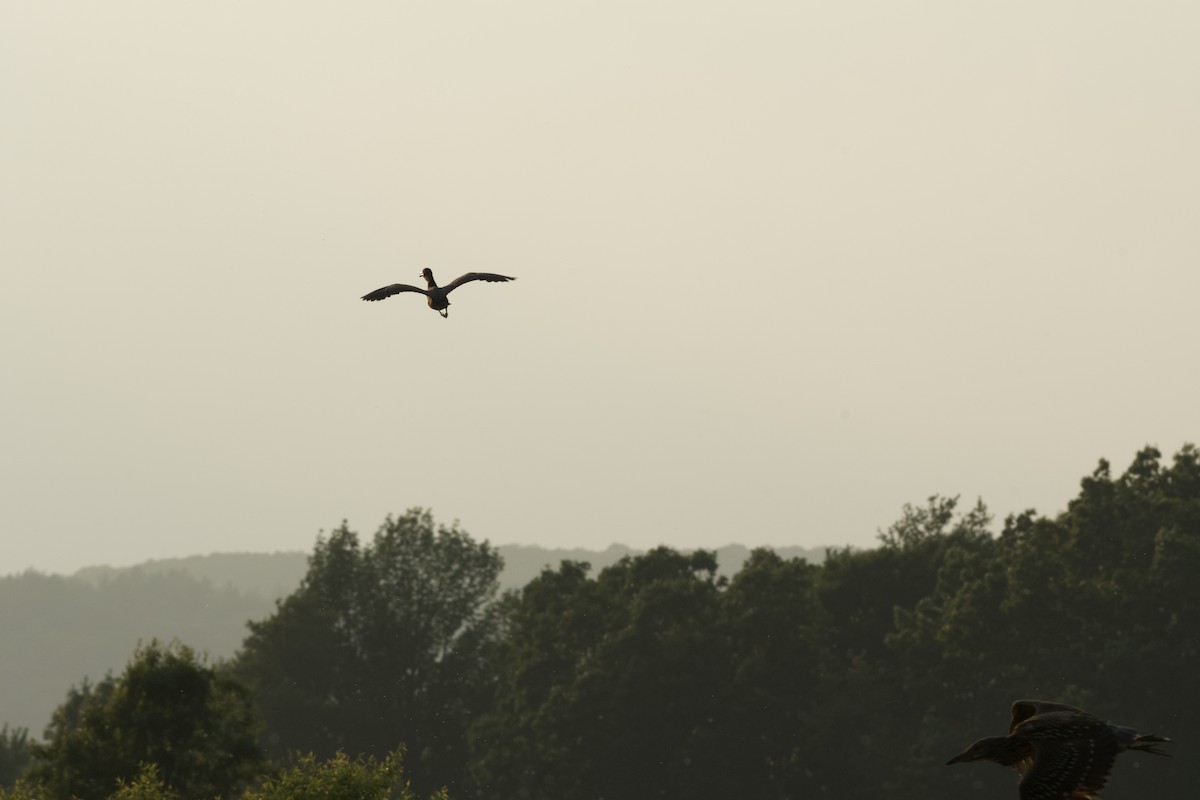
445 312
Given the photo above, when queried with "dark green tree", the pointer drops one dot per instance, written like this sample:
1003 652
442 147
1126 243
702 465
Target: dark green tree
862 589
168 708
865 722
783 666
379 647
612 687
15 754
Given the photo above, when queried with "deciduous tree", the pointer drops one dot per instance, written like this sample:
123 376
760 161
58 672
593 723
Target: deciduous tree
168 708
379 647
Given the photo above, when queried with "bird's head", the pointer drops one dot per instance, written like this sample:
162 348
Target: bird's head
427 274
991 749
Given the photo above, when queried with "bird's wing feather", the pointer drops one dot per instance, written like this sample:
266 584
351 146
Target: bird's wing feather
1073 769
388 291
475 276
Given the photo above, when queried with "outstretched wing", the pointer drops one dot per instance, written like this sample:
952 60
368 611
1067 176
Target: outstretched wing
1074 769
388 291
475 276
1024 709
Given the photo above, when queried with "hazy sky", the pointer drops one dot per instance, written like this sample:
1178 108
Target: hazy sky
782 266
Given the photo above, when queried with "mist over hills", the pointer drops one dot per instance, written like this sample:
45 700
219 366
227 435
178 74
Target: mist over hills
61 629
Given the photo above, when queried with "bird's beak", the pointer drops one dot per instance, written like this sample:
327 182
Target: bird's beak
960 757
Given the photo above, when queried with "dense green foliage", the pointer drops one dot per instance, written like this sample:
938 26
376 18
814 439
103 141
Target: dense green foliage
859 677
380 646
622 671
169 709
659 677
14 754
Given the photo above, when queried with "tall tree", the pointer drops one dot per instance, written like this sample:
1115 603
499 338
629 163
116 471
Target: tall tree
782 661
378 647
611 687
168 708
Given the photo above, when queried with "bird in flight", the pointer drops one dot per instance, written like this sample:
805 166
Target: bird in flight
1061 752
438 299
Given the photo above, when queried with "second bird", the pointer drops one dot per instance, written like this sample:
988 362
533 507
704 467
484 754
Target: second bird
438 299
1062 753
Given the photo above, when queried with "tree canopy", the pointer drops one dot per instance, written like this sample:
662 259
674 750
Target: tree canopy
168 708
379 647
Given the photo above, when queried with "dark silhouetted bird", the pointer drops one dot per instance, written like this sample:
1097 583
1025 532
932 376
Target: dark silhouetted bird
438 299
1062 752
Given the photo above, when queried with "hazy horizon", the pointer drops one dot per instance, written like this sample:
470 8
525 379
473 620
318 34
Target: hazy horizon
781 267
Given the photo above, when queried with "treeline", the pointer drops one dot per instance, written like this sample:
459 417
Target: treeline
89 622
658 677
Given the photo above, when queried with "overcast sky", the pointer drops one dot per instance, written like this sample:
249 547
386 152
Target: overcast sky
782 266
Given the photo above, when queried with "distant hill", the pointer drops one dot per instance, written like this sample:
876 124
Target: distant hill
58 629
268 575
273 575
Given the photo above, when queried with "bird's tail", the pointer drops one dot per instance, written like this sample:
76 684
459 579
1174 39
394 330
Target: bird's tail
1147 743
